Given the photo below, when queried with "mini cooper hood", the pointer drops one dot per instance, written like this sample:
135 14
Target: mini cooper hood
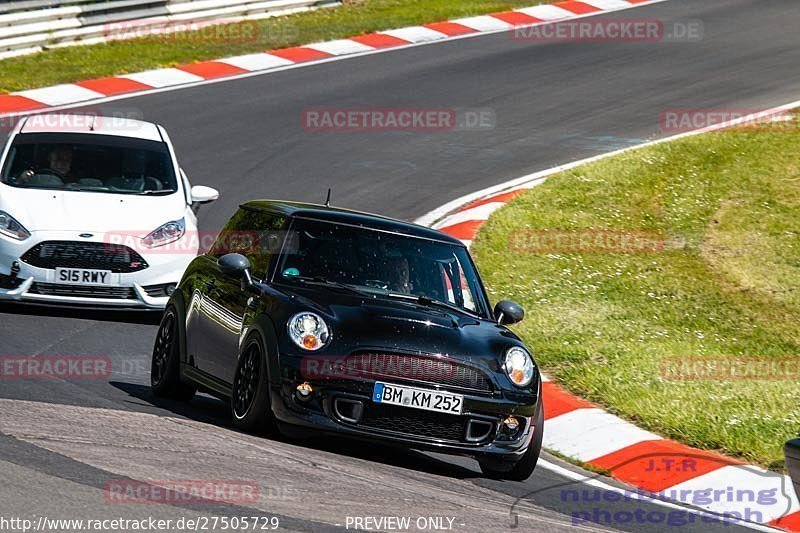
383 324
49 210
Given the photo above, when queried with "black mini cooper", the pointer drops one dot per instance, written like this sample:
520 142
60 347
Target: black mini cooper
308 317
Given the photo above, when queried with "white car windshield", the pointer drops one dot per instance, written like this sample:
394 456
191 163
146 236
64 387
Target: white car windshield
95 163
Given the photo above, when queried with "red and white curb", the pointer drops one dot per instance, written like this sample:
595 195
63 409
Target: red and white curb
582 431
231 67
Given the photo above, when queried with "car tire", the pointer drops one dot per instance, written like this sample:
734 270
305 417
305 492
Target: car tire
522 469
251 410
165 370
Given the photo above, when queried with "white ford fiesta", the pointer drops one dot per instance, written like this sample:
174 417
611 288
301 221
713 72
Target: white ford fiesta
94 211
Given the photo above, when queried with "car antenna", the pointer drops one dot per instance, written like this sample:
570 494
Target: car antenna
328 199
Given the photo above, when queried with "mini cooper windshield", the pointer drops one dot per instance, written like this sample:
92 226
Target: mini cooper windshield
84 162
377 262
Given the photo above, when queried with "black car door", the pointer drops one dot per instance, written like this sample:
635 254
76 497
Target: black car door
202 321
219 318
224 301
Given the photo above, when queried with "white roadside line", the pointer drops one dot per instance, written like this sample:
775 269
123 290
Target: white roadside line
147 92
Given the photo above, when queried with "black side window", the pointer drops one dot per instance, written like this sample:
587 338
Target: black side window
256 235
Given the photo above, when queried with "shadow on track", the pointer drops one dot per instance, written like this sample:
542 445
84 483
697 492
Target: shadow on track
147 317
213 411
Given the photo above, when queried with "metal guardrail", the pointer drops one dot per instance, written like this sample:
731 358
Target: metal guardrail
26 5
28 26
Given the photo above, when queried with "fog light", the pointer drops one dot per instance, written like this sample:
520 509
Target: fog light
169 289
511 423
304 391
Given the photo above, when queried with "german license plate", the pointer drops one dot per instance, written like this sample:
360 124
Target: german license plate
83 276
429 400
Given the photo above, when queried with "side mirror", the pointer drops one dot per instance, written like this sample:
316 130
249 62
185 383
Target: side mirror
236 266
203 195
507 312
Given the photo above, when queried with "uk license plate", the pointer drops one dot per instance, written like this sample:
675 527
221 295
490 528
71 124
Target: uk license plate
428 400
83 276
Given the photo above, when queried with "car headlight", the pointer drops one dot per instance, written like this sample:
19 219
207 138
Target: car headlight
11 228
519 366
309 331
165 234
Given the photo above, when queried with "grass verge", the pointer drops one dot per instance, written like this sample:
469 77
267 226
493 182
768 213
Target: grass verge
615 325
355 17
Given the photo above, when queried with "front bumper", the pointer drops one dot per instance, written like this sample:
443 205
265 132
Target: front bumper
135 290
138 297
345 407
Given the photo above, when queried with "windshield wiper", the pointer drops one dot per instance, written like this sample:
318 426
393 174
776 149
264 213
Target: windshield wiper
324 281
429 302
157 193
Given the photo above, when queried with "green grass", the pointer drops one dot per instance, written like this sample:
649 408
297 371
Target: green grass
64 65
728 286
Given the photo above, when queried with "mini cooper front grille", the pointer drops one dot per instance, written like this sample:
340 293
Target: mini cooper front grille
419 423
83 291
416 368
90 255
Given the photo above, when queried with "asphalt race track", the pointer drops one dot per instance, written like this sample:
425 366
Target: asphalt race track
62 441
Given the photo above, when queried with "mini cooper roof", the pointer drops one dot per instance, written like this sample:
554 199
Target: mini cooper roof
346 216
91 124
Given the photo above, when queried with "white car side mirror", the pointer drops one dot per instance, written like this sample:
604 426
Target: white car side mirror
203 195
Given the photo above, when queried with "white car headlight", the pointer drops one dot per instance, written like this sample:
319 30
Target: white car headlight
11 228
165 234
309 331
519 366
